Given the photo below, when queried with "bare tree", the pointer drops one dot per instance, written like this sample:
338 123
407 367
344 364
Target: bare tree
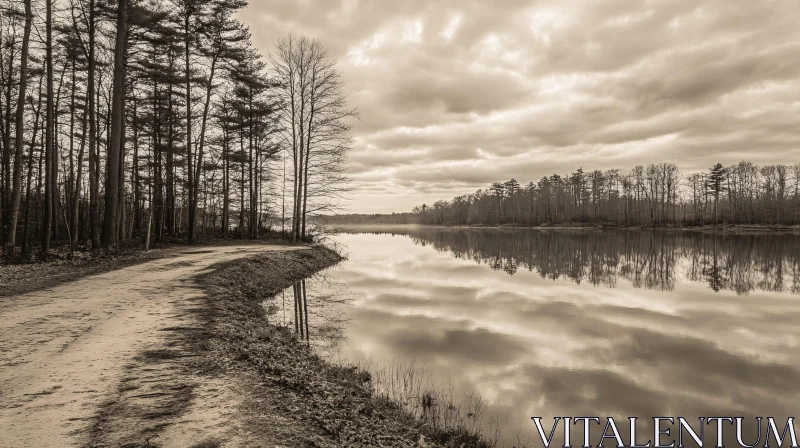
316 129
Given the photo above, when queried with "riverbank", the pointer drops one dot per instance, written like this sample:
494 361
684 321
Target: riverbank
293 396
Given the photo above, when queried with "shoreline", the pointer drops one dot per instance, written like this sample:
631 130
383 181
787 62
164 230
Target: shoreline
721 228
294 396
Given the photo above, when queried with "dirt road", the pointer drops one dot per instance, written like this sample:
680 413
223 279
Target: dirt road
65 351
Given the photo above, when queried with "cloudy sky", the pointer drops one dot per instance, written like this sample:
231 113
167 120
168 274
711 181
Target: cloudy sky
456 94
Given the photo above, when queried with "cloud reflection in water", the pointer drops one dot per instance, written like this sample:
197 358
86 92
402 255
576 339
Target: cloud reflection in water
609 324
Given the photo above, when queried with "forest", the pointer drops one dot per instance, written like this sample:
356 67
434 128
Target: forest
131 122
655 195
658 195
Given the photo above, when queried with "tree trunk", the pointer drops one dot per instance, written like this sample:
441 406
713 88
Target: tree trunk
5 166
203 126
56 195
36 125
226 180
189 170
115 137
241 186
135 182
251 224
91 96
20 130
49 113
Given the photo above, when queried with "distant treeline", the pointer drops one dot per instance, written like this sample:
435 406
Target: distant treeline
654 195
365 218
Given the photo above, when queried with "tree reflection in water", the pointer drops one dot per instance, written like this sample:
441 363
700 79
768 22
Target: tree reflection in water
313 309
538 347
653 260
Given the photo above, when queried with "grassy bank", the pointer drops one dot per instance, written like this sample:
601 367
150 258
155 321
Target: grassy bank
295 397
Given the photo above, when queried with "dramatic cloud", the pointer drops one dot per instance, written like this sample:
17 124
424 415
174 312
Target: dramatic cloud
455 94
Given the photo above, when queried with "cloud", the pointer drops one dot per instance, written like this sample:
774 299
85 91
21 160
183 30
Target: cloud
455 94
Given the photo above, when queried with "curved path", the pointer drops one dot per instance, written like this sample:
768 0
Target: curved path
63 350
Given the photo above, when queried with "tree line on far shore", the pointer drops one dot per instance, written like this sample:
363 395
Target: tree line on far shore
151 120
653 195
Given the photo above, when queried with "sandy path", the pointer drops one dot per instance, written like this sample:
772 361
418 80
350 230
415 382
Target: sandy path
63 350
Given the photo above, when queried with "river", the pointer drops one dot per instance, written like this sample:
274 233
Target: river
510 324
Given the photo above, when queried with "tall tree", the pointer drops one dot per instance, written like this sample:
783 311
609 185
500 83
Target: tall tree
49 132
715 185
110 230
221 36
190 11
20 129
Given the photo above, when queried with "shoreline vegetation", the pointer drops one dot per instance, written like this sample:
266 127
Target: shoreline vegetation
344 226
295 396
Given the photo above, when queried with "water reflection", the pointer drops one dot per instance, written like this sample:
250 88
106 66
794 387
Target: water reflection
314 309
587 324
647 259
300 310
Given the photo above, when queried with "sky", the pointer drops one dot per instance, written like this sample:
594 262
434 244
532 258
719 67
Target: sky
456 94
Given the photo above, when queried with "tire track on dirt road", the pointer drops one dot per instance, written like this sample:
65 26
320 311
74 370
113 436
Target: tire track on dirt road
64 350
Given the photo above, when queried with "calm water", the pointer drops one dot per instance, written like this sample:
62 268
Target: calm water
571 323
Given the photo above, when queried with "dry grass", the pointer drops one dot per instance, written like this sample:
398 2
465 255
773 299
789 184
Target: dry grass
450 417
300 399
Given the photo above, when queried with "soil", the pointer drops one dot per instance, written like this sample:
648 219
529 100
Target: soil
30 273
112 344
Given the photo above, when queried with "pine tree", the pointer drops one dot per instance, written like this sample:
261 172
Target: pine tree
715 185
